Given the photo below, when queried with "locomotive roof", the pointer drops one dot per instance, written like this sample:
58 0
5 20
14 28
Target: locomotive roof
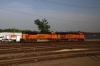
50 33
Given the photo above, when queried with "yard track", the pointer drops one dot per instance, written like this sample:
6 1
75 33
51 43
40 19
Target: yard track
18 53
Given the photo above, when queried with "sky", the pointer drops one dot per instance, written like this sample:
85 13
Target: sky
62 15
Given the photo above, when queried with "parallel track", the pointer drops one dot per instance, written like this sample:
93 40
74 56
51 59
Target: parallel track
16 53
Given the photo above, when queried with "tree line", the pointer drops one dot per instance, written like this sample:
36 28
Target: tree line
15 30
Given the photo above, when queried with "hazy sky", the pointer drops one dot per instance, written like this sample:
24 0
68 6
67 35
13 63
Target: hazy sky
62 15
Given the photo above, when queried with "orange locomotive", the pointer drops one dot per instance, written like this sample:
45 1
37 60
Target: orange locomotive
52 37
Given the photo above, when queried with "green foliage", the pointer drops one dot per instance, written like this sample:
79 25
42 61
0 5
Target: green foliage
42 25
17 30
1 30
10 30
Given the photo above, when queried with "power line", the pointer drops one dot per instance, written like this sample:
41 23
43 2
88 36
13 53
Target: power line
44 16
29 13
68 5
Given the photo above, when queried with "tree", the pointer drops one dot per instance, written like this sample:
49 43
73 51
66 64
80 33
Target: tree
1 30
42 25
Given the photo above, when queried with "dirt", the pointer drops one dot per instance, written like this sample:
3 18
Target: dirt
18 53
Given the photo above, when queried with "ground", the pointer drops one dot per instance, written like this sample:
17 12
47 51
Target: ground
78 61
50 54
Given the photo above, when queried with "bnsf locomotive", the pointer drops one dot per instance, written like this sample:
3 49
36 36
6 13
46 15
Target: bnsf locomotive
52 37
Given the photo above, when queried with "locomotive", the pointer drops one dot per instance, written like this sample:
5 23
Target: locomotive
52 37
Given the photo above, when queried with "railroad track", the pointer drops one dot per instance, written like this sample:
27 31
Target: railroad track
25 53
37 57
